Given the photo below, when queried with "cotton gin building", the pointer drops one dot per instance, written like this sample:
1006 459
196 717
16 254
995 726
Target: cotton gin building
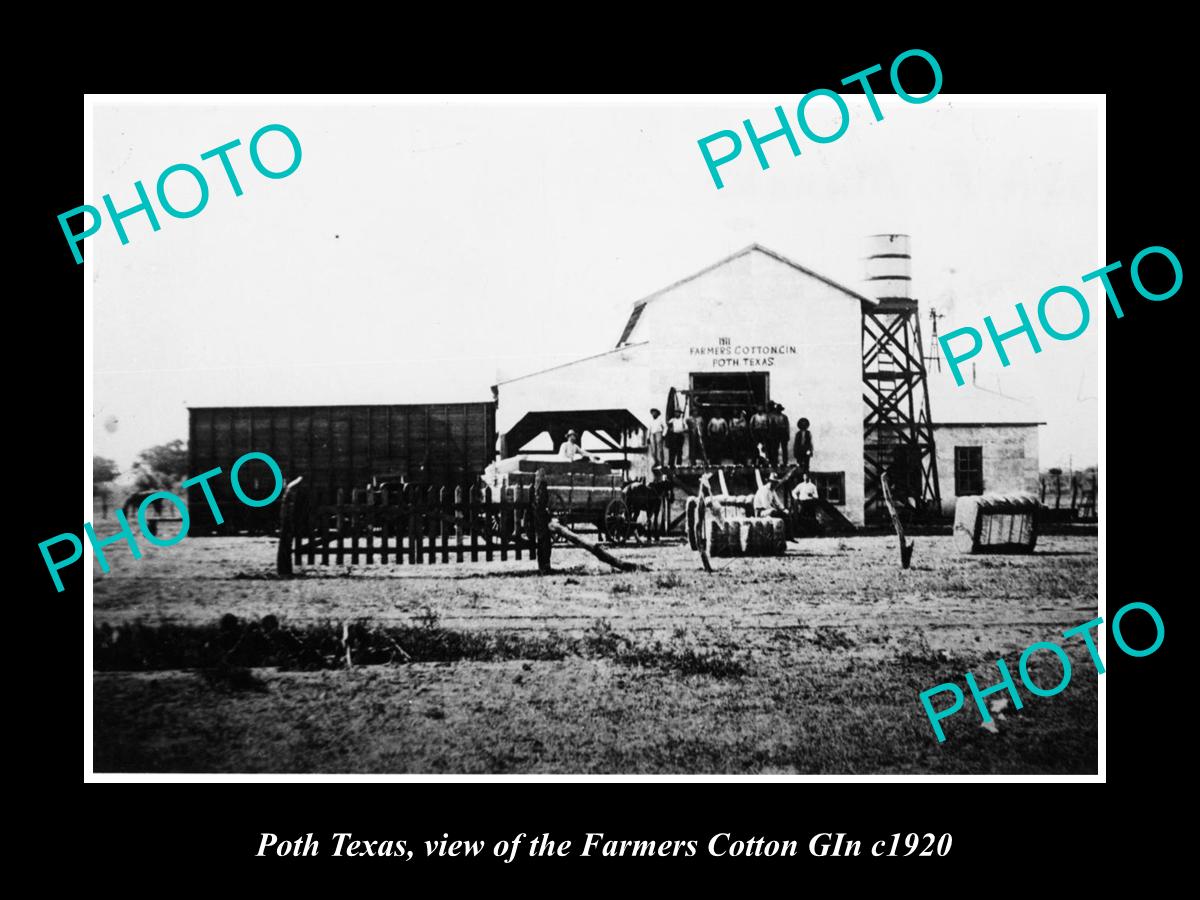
756 328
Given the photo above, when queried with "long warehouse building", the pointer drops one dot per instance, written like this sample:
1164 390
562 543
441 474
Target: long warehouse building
333 448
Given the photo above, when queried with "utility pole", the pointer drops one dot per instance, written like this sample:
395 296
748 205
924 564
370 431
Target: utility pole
935 353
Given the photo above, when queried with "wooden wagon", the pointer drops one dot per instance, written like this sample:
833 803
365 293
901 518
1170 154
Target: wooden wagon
580 492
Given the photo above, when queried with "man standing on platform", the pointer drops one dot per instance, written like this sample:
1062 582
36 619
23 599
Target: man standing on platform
760 426
739 439
696 428
676 430
718 430
658 433
803 446
783 430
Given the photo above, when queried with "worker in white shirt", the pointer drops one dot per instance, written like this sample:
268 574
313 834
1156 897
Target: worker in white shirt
805 490
806 496
658 433
676 432
769 500
570 449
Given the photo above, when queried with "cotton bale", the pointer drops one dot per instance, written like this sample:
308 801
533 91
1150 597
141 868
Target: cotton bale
996 523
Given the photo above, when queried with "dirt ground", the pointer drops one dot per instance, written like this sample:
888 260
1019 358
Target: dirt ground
811 662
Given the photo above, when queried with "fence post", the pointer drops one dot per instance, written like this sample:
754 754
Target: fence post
541 520
321 522
383 525
504 524
430 522
341 525
414 524
370 526
443 500
400 526
473 521
458 520
487 523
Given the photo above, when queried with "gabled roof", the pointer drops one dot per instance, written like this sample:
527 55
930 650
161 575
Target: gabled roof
639 305
573 362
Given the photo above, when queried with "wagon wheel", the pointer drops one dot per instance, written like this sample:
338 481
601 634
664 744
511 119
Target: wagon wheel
704 522
617 525
562 516
502 526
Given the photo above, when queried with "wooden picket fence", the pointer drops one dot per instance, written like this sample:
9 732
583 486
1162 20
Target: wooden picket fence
405 524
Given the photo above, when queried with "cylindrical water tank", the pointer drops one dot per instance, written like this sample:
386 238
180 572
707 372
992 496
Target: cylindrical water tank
889 266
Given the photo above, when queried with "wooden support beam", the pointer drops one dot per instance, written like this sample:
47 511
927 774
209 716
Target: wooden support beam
571 537
906 549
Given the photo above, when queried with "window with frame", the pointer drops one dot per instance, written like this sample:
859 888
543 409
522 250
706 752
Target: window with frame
968 471
831 486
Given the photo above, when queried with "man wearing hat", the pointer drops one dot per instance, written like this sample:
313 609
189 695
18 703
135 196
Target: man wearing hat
803 446
570 449
783 430
676 432
769 500
658 431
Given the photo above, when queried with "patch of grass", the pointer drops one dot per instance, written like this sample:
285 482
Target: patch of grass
601 640
827 637
715 663
225 652
230 679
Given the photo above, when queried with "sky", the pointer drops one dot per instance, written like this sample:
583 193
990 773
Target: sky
422 251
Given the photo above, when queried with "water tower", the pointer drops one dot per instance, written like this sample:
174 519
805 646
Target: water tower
897 428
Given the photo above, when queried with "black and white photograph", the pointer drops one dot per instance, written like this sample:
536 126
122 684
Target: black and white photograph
738 435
